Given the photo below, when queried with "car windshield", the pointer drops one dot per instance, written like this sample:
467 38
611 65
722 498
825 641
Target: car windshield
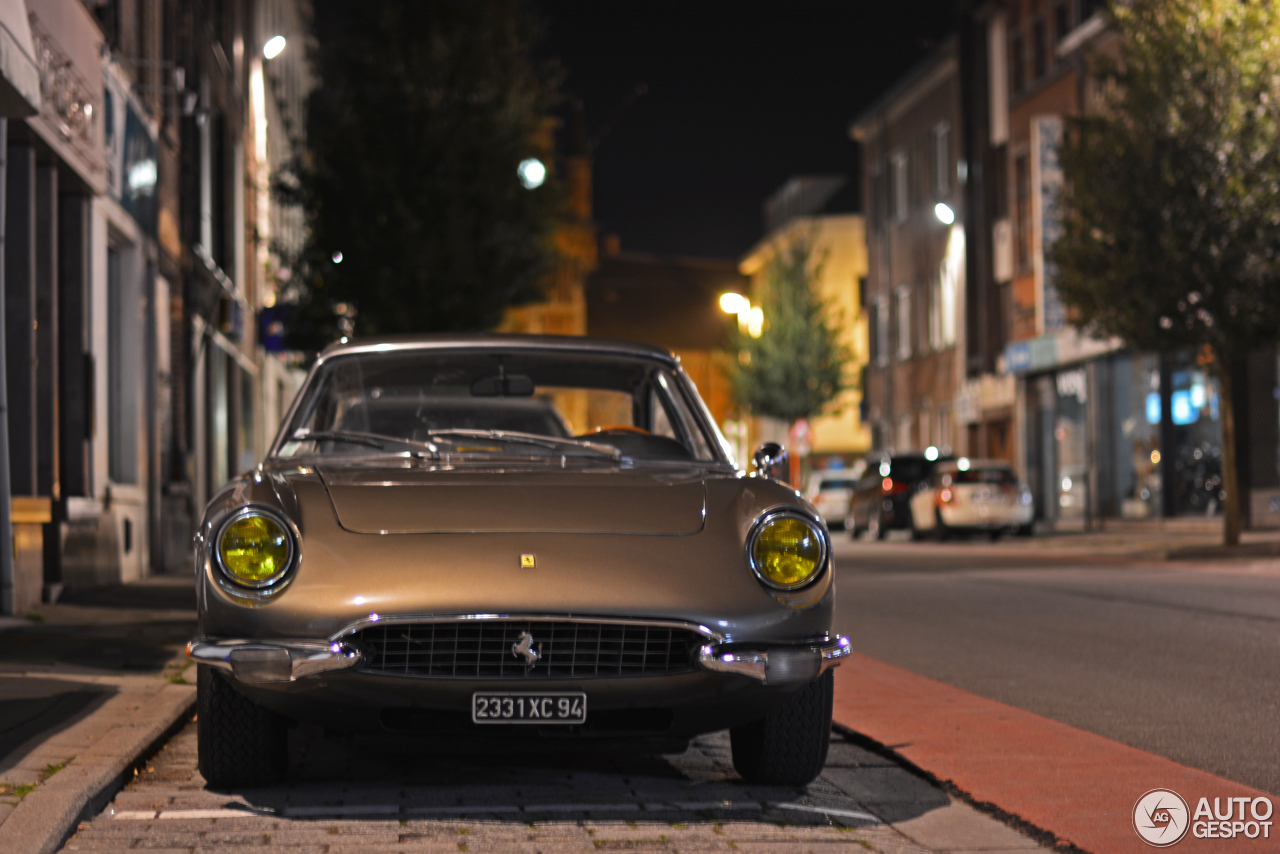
487 404
999 476
907 468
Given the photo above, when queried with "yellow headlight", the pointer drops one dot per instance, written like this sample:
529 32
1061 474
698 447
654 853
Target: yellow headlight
254 549
787 552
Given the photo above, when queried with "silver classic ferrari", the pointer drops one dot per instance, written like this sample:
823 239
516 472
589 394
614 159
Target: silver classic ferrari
515 541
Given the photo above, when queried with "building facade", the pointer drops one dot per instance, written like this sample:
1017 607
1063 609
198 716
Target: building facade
1097 431
915 295
143 242
823 212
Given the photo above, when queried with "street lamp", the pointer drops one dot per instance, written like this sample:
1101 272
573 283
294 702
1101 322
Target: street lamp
732 303
944 213
532 173
750 318
274 47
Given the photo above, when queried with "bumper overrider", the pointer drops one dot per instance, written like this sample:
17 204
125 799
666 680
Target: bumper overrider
261 662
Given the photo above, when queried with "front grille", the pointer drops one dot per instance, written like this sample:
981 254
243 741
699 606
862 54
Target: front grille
567 649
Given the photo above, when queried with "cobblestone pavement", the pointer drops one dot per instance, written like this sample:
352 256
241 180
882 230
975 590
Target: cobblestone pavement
382 794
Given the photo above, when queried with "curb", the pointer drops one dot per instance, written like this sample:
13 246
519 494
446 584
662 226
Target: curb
47 817
1044 837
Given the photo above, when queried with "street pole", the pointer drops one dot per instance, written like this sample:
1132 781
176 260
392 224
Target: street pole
6 526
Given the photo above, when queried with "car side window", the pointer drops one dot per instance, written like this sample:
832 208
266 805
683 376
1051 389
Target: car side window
661 421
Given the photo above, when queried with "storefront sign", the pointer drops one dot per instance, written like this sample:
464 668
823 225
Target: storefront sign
1046 176
1034 354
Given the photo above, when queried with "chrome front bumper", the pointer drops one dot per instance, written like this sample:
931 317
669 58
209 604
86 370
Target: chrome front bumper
778 665
290 660
277 661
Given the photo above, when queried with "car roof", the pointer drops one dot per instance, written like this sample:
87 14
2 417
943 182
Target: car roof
487 340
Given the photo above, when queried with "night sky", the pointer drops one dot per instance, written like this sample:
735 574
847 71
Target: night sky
741 95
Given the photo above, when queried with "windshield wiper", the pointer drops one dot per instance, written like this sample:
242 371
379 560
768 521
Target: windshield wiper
516 437
372 440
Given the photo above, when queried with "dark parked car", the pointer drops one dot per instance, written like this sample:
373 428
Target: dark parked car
881 501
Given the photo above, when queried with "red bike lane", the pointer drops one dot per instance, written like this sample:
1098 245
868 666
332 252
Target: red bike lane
1081 787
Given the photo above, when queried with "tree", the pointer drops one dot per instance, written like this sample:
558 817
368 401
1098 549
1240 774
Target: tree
797 365
1171 216
423 113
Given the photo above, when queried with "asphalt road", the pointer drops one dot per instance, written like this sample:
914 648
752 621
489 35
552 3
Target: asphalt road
1178 659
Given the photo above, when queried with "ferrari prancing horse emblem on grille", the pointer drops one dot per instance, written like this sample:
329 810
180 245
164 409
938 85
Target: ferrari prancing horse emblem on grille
524 646
526 562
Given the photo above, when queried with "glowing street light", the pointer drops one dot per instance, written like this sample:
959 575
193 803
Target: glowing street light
532 173
274 47
732 303
944 213
750 318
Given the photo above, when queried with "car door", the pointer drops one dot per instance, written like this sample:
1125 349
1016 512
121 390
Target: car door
922 504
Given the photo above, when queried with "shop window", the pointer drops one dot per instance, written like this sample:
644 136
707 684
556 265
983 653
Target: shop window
123 368
1070 433
219 414
1061 20
1039 49
899 188
904 322
945 439
1017 70
1022 204
246 445
882 331
1194 408
940 141
1137 424
903 441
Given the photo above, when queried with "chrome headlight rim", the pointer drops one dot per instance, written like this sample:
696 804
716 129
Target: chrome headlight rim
763 521
268 587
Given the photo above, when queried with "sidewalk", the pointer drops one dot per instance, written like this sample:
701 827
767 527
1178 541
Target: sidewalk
86 686
1153 540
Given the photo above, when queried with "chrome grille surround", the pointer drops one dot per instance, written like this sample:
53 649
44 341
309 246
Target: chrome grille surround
481 647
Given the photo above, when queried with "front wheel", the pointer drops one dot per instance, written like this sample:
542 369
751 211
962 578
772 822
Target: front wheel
788 747
239 743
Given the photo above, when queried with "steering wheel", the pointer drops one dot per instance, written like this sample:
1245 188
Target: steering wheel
618 428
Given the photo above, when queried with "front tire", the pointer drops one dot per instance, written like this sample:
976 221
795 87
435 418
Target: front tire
239 743
788 747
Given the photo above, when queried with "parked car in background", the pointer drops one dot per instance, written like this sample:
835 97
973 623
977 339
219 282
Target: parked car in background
972 496
881 498
830 491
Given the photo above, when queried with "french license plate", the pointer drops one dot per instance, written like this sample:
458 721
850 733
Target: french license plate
505 707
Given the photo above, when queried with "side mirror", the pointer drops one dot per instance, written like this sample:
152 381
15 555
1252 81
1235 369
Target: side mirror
770 460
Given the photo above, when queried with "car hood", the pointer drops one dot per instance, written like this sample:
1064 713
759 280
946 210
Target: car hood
606 500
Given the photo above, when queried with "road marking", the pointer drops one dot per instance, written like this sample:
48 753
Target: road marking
863 816
134 815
